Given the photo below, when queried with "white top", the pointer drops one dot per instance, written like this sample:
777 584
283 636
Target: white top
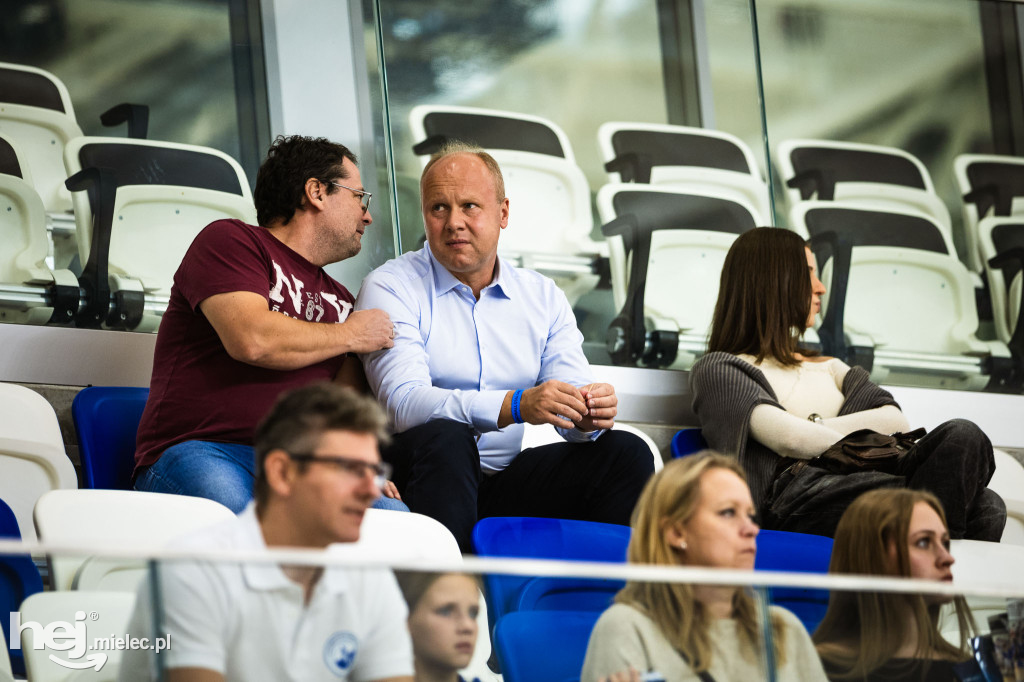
626 637
249 622
812 388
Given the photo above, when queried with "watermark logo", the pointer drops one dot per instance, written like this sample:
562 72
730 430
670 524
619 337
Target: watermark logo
73 639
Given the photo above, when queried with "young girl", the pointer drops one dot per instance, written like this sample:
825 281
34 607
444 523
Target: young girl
443 608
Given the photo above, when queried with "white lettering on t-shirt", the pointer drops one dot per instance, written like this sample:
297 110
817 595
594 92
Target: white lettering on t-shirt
342 307
282 281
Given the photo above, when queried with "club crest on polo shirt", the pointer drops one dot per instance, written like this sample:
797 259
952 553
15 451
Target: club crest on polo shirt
340 652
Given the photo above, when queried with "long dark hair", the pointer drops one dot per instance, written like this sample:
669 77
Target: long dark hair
764 296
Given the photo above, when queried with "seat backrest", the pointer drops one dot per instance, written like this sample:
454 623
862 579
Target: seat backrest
998 235
107 420
117 519
682 156
112 611
924 280
991 185
544 434
36 111
799 553
32 456
543 646
390 535
539 538
664 212
839 162
19 578
898 228
491 129
166 194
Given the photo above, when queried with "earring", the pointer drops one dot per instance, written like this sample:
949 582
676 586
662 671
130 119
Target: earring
682 545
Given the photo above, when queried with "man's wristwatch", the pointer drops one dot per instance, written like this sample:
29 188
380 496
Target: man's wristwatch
815 417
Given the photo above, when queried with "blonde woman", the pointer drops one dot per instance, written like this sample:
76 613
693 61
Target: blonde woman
888 636
696 512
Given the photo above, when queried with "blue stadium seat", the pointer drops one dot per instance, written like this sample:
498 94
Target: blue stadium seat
779 550
543 646
687 442
106 420
19 579
568 594
536 538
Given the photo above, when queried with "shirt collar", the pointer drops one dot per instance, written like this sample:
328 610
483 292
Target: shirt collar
445 281
268 576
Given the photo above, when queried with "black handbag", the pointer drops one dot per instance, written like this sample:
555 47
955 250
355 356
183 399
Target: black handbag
866 450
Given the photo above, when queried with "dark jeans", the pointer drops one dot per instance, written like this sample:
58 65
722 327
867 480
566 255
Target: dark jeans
437 470
954 462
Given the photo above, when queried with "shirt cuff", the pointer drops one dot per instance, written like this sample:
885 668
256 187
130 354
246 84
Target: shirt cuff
486 409
574 435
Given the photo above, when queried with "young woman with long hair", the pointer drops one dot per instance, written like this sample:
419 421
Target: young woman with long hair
763 398
890 636
697 511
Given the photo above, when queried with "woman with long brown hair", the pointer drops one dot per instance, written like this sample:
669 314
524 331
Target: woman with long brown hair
777 407
697 511
891 636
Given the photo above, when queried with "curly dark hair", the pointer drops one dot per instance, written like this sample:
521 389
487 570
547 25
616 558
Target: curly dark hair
281 180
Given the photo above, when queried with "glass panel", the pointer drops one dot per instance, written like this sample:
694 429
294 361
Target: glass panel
176 59
868 107
555 72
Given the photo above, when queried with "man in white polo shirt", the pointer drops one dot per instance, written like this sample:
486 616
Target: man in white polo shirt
317 471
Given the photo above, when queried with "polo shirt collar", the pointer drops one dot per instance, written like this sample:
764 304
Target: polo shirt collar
445 281
268 576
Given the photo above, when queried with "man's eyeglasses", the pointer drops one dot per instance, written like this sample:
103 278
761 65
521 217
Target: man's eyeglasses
356 467
364 196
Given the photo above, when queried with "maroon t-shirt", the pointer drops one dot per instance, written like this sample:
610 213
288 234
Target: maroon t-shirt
198 391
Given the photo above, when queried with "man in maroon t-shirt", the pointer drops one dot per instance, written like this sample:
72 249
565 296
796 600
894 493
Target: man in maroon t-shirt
253 314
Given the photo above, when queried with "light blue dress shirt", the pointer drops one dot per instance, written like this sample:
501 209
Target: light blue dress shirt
456 357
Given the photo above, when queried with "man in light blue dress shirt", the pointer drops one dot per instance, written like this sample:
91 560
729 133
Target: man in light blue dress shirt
482 347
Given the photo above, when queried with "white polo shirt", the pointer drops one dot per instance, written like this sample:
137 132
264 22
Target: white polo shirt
249 622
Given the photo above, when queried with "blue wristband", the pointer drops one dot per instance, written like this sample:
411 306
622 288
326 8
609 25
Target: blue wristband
516 397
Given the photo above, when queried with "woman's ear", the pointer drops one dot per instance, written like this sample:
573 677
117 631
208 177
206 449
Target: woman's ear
674 533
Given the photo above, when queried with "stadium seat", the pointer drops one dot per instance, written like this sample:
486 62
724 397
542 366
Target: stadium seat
1008 482
107 420
550 220
544 434
992 565
666 250
991 186
865 255
112 610
163 195
36 111
683 157
19 578
874 176
543 646
116 519
32 456
539 538
431 125
688 441
1001 241
29 289
779 550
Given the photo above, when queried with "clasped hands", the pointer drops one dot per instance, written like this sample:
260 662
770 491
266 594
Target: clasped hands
588 408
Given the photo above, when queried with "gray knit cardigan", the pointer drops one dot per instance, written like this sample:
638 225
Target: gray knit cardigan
726 389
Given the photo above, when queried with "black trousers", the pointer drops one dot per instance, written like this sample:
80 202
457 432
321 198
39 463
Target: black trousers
437 470
954 462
